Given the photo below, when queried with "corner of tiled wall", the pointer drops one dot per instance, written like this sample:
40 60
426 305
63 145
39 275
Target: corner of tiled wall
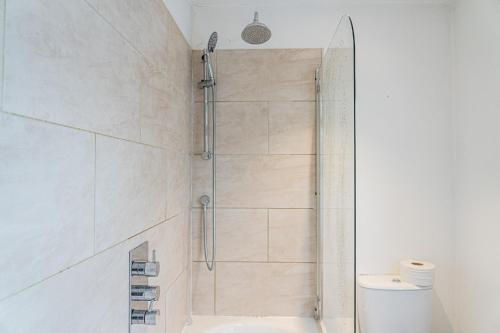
95 147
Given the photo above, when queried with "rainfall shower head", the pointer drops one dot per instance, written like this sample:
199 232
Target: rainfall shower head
256 32
212 41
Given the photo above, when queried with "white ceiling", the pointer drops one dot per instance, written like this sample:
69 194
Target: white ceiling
273 3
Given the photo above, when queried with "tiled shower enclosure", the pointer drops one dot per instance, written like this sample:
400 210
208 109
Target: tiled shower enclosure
266 221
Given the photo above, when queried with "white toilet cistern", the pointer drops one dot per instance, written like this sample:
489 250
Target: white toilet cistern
397 303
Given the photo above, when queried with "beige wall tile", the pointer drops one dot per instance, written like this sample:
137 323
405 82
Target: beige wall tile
65 64
266 146
266 107
154 109
271 289
267 75
203 289
241 235
131 189
277 181
80 289
178 182
76 292
242 128
175 312
142 23
292 235
46 200
292 128
180 94
179 56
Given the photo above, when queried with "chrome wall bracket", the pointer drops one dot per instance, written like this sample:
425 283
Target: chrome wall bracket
141 295
317 309
206 83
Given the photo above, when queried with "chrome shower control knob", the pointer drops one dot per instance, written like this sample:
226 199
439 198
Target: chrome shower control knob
144 293
145 268
150 317
144 317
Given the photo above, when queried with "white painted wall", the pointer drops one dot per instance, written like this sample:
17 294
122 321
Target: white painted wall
405 135
404 143
477 161
404 122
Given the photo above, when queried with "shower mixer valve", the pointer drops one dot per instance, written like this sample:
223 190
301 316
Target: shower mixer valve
141 294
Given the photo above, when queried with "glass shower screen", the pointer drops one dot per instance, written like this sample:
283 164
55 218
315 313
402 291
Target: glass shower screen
336 183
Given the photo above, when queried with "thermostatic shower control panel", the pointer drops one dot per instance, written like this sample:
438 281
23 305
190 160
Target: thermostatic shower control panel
142 296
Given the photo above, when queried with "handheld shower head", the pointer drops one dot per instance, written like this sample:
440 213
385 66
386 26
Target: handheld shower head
256 32
212 41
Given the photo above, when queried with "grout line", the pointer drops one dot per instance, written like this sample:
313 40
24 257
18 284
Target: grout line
198 155
84 260
261 101
80 129
264 208
258 262
177 277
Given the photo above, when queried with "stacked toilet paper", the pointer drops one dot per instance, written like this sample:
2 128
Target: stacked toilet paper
417 272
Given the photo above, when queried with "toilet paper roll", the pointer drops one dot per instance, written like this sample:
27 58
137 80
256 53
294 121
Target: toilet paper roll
417 272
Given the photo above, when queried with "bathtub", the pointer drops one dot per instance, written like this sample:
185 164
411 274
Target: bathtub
229 324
